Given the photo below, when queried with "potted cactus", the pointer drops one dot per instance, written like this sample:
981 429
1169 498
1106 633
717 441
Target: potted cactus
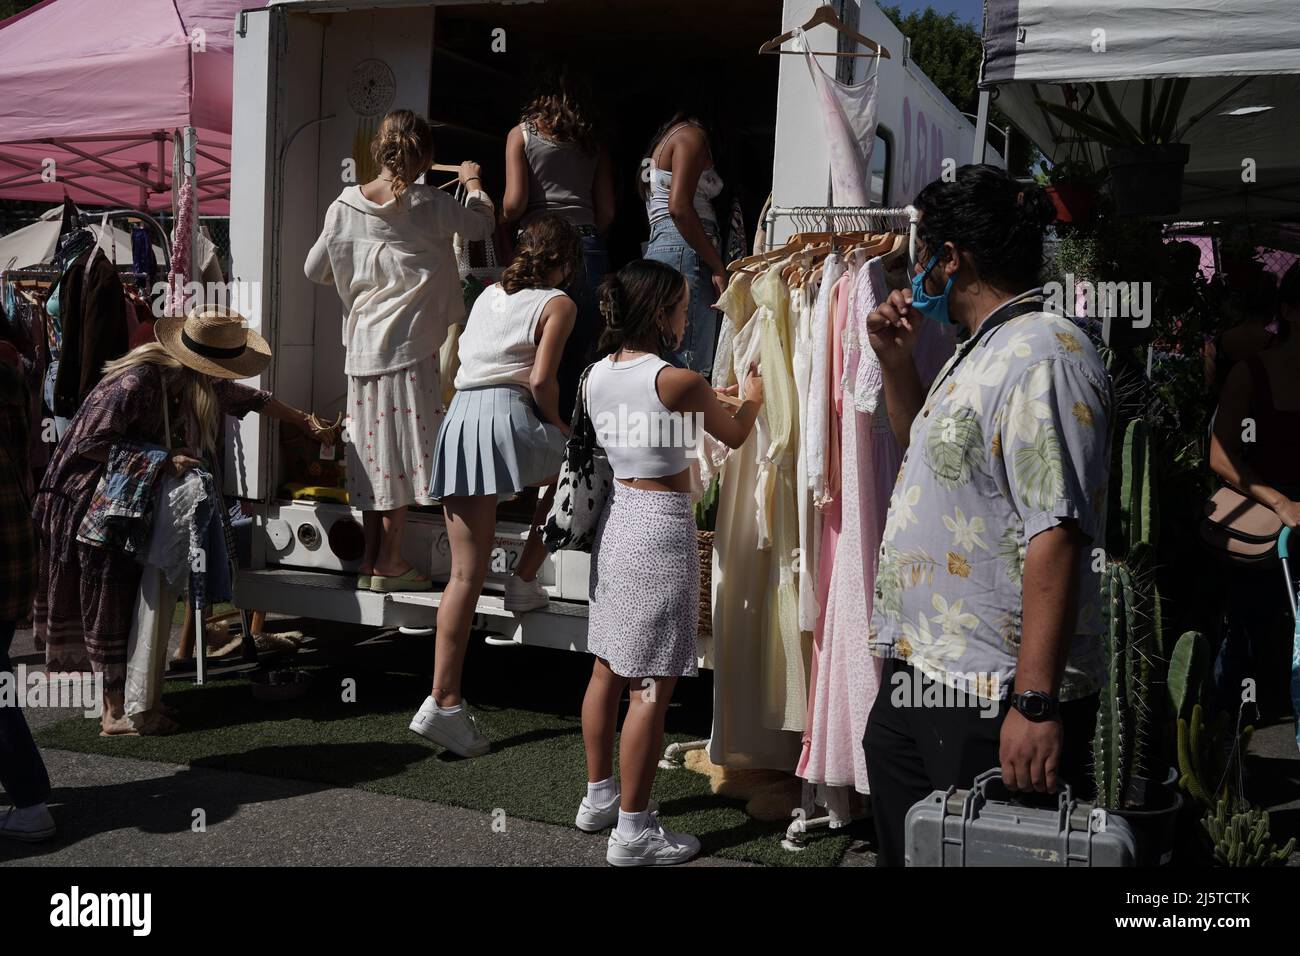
1125 751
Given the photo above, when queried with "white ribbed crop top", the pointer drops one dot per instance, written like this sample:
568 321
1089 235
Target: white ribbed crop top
641 437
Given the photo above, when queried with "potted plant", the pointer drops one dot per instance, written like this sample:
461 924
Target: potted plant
1072 187
1146 161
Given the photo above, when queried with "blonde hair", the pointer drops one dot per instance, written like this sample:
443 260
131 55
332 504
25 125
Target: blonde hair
201 408
404 144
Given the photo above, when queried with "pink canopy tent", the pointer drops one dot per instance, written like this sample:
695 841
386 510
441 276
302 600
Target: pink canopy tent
102 87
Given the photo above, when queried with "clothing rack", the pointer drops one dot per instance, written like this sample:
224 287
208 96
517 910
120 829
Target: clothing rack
845 219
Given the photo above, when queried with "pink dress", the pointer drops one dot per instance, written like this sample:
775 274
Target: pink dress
846 678
831 513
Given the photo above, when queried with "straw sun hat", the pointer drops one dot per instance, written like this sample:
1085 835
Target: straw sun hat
215 341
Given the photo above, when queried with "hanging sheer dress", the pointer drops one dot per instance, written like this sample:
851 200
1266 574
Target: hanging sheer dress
849 122
785 654
817 419
832 522
741 569
803 304
848 677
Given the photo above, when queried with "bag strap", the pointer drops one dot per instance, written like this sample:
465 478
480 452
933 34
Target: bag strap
580 426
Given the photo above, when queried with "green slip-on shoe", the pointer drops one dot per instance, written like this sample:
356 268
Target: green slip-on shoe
412 580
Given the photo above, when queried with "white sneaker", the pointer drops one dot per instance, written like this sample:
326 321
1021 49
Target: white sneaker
457 732
524 595
593 819
30 825
653 846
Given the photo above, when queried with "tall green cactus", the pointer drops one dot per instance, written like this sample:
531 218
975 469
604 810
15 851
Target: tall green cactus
1206 755
1241 837
1122 738
1139 505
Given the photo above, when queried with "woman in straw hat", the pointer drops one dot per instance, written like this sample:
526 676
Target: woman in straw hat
159 407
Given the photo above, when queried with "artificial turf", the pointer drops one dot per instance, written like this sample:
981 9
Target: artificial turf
525 700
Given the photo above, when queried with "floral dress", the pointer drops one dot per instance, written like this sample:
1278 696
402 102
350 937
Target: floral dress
86 594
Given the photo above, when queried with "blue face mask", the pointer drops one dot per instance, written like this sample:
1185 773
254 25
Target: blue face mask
935 306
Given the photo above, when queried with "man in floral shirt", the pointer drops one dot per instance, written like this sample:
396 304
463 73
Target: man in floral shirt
986 602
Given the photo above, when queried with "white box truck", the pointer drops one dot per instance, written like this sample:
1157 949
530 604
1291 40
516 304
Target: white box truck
312 77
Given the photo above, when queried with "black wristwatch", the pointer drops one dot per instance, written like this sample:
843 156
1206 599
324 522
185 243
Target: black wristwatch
1036 706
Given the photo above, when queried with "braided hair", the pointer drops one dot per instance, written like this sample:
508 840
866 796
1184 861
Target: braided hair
546 244
404 143
996 220
635 303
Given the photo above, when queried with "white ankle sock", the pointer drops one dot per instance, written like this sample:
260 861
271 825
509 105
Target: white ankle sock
630 825
603 792
450 710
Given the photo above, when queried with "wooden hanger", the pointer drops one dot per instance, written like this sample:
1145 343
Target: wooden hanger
826 14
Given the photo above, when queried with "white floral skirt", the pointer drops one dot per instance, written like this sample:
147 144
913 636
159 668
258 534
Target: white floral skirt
392 425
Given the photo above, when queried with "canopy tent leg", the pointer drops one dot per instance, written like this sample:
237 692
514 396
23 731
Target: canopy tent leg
982 127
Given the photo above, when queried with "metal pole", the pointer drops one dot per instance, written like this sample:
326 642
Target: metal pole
981 127
191 138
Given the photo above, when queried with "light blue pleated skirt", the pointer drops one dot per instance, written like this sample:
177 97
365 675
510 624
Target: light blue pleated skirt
492 443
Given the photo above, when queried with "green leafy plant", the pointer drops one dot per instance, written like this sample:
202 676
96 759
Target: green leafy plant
1189 668
706 509
1065 172
1157 118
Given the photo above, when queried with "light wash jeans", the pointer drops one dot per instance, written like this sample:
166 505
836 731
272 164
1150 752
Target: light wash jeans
668 246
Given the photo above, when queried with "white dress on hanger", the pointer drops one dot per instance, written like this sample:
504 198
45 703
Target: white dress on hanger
849 120
742 572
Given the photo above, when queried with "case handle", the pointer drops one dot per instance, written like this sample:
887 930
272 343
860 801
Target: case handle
1064 796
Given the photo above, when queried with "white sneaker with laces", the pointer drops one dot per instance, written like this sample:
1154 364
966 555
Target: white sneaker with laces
524 595
30 824
653 846
457 732
593 819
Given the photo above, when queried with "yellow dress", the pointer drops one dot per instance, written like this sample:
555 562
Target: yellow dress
760 692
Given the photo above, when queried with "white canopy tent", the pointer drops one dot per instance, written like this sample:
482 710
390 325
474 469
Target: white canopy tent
1243 60
35 244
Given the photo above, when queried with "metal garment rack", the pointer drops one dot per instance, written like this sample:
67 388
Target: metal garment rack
846 219
808 219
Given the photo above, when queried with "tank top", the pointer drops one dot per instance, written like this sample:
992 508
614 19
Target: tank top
560 179
661 183
1276 455
641 437
498 345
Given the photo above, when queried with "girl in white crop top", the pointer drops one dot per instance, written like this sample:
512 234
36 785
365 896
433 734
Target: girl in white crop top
644 602
501 435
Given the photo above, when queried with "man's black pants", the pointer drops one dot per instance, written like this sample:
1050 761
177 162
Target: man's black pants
913 750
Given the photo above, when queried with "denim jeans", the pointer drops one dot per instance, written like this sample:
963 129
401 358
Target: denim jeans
22 772
668 246
580 349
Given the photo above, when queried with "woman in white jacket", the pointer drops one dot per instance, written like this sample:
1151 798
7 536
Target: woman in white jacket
387 248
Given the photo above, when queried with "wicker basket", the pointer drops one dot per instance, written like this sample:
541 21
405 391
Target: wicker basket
704 539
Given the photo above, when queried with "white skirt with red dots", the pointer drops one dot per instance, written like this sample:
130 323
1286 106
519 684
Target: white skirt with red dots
392 427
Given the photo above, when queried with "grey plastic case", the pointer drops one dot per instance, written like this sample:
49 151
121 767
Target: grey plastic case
970 828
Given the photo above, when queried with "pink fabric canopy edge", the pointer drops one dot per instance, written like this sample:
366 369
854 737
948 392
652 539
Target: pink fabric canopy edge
97 86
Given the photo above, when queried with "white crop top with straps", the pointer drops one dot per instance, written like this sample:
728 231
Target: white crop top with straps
641 437
498 346
661 186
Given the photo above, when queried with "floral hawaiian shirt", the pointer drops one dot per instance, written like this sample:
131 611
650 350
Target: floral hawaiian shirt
1012 440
